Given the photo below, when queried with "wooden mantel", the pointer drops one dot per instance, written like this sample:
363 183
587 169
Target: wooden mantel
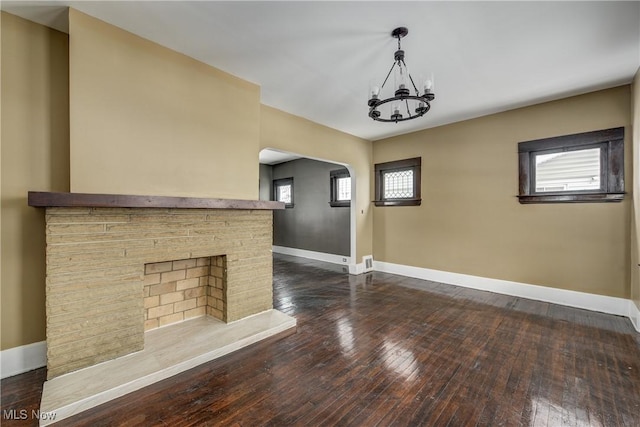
52 199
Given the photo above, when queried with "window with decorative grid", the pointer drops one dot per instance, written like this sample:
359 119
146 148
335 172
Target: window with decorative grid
283 191
340 182
398 183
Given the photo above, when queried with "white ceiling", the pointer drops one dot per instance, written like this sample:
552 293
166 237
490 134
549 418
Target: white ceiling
273 157
316 59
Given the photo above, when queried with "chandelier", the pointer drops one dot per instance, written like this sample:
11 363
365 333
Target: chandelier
402 105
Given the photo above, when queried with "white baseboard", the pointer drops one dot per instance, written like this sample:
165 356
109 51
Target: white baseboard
593 302
318 256
321 256
634 315
356 269
17 360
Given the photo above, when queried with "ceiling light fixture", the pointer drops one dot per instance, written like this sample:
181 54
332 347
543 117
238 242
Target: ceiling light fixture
402 105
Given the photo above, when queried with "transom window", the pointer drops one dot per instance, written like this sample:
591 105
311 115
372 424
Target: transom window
283 191
340 182
585 167
344 189
398 183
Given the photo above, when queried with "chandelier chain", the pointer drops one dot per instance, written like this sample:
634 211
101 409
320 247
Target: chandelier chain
388 74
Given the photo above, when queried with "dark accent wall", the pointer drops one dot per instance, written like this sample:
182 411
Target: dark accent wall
266 178
311 224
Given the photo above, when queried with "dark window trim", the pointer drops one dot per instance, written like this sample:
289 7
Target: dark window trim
381 168
333 182
611 144
280 182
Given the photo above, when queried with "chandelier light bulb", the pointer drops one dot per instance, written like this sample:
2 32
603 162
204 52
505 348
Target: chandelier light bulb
395 116
373 100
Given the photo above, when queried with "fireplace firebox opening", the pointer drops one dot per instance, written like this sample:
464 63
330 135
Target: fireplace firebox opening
179 290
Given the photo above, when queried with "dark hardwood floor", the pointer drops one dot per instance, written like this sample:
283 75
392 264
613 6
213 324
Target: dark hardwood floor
379 350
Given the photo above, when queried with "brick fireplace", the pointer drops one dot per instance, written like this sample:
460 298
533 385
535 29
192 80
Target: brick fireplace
120 265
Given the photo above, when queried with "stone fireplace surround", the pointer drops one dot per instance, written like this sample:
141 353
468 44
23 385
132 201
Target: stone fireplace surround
97 250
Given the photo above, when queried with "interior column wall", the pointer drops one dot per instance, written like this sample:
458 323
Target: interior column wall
635 217
147 120
35 156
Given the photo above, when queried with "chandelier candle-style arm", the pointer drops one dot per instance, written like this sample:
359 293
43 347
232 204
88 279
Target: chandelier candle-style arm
414 105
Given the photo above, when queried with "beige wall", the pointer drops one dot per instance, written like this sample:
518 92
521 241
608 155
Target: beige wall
35 156
635 217
148 120
286 132
471 222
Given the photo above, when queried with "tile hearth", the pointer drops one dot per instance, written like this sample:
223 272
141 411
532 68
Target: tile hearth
167 352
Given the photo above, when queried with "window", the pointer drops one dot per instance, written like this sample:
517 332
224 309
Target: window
398 183
283 191
585 167
340 188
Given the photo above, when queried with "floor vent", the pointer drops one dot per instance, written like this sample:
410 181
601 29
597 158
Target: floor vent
368 263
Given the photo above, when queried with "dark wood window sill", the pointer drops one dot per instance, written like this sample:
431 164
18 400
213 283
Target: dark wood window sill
342 204
398 202
572 198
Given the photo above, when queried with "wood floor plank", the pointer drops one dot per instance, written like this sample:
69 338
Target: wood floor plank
381 350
